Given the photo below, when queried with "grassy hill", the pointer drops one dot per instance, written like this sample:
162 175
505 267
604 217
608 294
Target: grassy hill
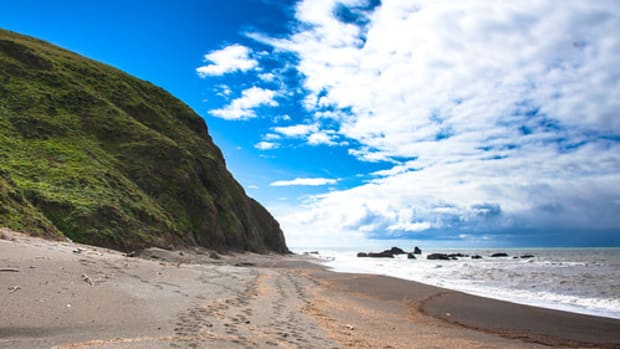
93 154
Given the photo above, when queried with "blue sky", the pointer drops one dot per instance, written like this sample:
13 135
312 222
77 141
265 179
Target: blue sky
468 123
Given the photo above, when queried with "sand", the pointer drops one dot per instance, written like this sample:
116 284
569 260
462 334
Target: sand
67 295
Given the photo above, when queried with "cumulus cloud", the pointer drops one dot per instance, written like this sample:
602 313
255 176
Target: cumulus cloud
230 59
311 133
266 145
243 107
322 137
267 77
301 130
304 181
506 114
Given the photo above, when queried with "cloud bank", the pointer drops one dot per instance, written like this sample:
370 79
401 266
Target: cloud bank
501 118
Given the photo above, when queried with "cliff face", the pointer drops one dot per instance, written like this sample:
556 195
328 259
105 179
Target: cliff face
91 153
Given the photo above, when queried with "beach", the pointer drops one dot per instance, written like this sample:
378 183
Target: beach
66 295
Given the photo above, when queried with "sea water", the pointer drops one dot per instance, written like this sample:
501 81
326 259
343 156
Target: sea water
579 280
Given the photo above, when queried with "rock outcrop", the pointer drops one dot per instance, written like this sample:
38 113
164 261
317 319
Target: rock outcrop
384 254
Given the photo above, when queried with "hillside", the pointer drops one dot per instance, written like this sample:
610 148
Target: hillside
93 154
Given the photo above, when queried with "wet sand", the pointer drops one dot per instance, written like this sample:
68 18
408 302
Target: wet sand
66 295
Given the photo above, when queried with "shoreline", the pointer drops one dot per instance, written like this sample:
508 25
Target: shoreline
77 296
564 292
526 324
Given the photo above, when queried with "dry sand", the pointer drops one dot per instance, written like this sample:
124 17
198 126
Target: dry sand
66 295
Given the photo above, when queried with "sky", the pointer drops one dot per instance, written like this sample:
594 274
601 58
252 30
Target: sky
365 122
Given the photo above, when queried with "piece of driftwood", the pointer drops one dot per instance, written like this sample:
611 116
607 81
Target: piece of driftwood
88 280
13 288
14 270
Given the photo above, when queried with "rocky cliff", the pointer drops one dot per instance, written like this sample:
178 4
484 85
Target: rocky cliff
93 154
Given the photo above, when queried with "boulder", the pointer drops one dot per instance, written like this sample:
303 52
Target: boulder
476 257
438 256
410 256
384 254
416 250
526 256
499 254
395 251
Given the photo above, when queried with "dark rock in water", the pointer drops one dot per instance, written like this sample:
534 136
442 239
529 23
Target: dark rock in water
500 254
526 256
314 252
395 251
416 250
438 256
410 256
457 255
476 257
384 254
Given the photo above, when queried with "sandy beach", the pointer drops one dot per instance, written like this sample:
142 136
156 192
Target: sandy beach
66 295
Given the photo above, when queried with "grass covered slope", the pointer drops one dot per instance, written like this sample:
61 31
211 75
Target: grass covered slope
91 153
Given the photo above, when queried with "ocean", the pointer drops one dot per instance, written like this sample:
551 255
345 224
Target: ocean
580 280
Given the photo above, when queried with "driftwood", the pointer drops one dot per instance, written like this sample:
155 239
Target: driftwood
9 270
13 288
88 280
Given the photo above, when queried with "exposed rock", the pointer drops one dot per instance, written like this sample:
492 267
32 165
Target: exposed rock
385 254
410 256
526 256
476 257
417 250
438 256
395 251
499 254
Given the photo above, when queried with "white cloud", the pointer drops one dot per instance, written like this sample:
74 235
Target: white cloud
284 117
320 138
266 145
305 181
243 107
301 130
409 227
506 114
227 60
309 132
267 77
271 136
223 90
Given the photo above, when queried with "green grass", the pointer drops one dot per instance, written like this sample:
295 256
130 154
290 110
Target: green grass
93 154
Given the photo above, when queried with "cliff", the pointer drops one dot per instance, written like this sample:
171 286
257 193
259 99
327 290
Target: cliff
93 154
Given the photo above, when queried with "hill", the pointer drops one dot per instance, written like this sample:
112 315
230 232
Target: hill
93 154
